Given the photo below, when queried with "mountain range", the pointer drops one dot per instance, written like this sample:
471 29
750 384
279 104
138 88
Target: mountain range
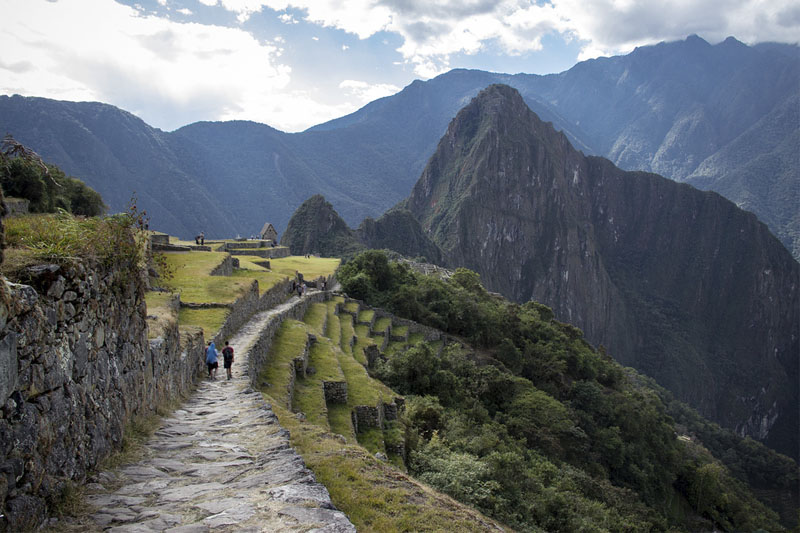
722 117
676 282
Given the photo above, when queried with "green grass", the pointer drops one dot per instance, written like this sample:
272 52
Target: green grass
372 440
248 262
309 399
415 338
266 280
196 285
340 421
333 329
159 305
315 317
347 333
366 316
361 388
400 331
362 341
352 307
374 495
394 347
61 237
310 268
288 344
309 396
382 324
210 320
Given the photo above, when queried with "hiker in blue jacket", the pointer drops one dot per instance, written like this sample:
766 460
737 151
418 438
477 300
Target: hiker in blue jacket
211 360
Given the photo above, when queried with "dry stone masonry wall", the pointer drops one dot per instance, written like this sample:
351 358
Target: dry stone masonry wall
75 367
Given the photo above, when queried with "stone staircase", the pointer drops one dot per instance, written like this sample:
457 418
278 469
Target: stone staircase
220 462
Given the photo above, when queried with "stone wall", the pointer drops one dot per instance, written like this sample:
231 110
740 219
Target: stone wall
240 312
364 416
223 269
267 253
429 334
17 206
75 367
335 391
259 353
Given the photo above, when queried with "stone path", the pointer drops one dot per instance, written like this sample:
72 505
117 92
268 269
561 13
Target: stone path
220 463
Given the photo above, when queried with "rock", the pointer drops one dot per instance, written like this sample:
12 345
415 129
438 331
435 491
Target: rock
8 365
381 456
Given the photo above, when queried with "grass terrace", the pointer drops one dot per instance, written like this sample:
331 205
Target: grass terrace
347 332
362 341
400 331
266 279
333 329
366 315
316 317
309 396
194 281
248 262
210 320
311 267
382 324
288 344
376 496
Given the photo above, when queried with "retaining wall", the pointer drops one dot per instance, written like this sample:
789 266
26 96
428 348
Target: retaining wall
225 268
259 353
75 367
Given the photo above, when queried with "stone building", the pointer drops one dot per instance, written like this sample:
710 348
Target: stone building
268 233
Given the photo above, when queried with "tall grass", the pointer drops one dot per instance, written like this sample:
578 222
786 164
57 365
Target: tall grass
112 241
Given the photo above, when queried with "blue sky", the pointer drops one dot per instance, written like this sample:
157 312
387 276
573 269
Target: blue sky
295 63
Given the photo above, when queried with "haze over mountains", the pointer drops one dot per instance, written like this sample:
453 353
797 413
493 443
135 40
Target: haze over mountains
723 117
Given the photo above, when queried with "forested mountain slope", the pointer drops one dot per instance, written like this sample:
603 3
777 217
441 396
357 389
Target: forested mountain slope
678 283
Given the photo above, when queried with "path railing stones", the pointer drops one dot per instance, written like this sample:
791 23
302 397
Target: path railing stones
221 462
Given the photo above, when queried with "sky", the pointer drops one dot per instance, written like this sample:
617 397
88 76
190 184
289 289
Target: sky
292 64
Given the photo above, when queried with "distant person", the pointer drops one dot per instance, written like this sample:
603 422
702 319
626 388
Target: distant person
324 285
299 290
197 239
202 238
211 360
304 289
227 359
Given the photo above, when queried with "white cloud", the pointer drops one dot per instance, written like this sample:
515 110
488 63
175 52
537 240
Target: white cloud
185 11
167 73
365 92
286 18
434 30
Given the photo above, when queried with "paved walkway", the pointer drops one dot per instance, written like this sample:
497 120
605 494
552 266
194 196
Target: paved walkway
220 463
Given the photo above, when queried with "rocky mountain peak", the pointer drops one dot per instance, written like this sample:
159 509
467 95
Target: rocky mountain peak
672 280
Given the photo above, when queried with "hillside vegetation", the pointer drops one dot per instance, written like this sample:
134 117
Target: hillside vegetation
536 428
